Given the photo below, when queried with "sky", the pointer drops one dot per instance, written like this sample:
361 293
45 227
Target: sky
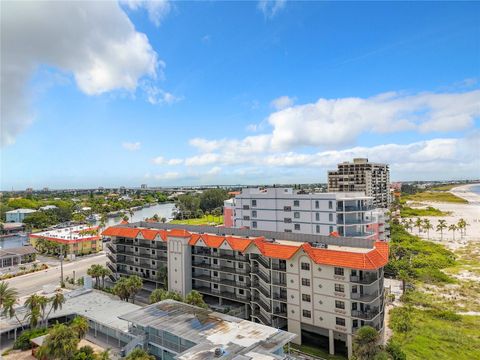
202 93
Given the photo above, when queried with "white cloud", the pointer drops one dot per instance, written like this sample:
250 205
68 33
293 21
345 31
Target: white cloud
214 170
157 9
270 8
156 95
282 102
95 41
131 146
160 160
175 161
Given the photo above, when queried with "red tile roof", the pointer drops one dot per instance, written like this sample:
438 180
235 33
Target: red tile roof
374 259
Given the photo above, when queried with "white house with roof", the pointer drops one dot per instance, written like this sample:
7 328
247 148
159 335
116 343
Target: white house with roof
18 215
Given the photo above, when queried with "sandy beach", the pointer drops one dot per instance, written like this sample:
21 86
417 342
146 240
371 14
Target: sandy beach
469 212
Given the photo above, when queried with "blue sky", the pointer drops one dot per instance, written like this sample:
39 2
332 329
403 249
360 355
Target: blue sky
245 92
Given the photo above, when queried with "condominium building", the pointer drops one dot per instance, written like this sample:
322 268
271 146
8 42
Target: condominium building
372 179
294 211
76 240
317 287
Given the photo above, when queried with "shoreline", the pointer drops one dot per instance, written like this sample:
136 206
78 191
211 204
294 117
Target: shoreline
464 192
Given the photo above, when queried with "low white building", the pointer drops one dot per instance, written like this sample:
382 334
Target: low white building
18 215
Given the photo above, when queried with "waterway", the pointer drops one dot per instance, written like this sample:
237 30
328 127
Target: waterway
162 210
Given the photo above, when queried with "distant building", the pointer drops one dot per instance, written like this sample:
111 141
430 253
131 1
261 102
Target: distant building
228 213
17 256
12 228
18 215
295 211
46 189
373 179
143 186
29 190
48 207
78 240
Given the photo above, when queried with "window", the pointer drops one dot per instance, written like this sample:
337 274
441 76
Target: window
254 202
340 321
241 292
354 306
339 304
317 229
305 266
317 216
339 288
317 204
296 215
254 224
296 202
354 273
330 204
215 261
246 217
215 286
297 226
330 217
241 278
307 313
215 273
330 229
240 265
354 289
306 298
339 271
355 323
287 230
254 213
305 282
287 208
287 220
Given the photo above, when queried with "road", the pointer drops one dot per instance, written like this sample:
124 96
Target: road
30 283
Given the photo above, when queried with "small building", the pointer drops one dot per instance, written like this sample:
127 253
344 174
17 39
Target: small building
175 330
48 207
18 215
78 240
12 228
17 256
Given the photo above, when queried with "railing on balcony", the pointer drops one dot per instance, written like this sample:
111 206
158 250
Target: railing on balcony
262 303
227 282
262 275
355 208
111 266
279 267
364 279
366 314
223 294
263 319
111 247
256 285
112 257
279 282
364 297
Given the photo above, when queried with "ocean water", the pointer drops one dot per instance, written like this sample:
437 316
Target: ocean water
475 189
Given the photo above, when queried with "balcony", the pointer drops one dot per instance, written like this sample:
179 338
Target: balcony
223 294
112 267
279 267
282 296
364 297
366 314
238 284
205 265
279 282
364 279
346 221
264 262
355 208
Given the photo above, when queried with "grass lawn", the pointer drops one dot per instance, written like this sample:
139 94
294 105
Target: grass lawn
435 196
432 337
205 220
429 211
445 187
316 352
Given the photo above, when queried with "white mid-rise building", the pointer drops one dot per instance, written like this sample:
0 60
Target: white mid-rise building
289 210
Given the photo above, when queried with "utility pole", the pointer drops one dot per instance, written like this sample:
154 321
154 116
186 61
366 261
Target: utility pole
61 266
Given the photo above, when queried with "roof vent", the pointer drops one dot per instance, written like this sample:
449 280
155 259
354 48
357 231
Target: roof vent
218 352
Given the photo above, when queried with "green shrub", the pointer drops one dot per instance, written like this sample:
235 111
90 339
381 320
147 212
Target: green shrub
23 341
395 350
445 315
400 319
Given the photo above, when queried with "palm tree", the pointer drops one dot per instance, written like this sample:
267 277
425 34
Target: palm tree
35 303
121 289
196 299
104 355
162 276
410 224
95 271
9 309
404 277
418 224
56 302
440 227
135 284
61 343
156 217
139 354
462 226
80 325
453 228
104 272
157 295
427 226
125 218
7 294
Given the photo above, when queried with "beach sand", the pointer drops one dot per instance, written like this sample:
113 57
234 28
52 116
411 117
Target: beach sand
469 212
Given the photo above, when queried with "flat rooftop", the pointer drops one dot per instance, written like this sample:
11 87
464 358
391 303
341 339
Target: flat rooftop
210 330
72 233
96 305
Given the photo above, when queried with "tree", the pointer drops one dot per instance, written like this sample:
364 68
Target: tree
105 355
187 204
419 224
125 218
156 218
427 226
365 343
7 294
36 305
135 284
61 343
162 276
212 199
161 294
196 299
80 325
404 277
85 353
56 302
139 354
95 271
121 289
395 351
104 272
453 228
39 220
440 227
410 224
462 226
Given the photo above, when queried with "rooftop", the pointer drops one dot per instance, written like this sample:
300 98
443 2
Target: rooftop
210 330
22 250
21 211
68 234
